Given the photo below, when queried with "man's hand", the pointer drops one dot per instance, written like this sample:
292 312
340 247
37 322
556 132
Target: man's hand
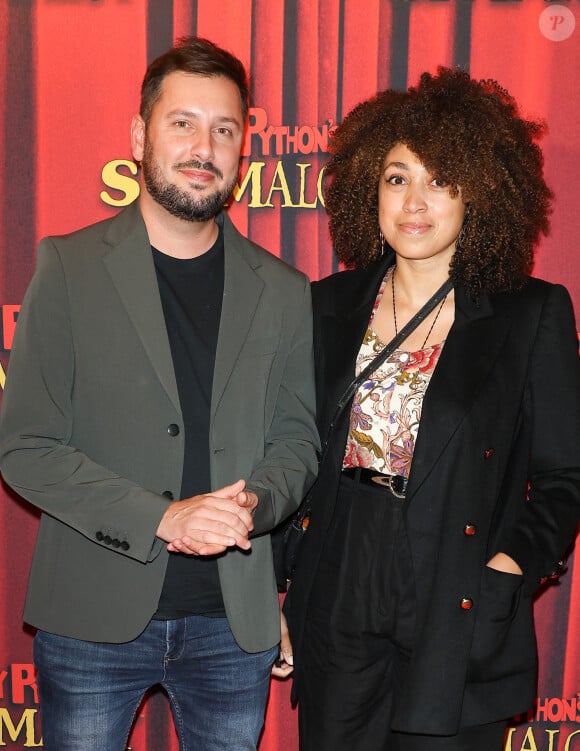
284 665
210 523
247 499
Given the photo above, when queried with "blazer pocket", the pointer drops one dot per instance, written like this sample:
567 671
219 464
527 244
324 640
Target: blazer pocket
503 637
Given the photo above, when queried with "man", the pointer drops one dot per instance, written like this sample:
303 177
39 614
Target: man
160 355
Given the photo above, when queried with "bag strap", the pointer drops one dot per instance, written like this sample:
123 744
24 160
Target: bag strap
387 350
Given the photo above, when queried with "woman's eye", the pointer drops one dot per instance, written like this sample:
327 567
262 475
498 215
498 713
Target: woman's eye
395 180
439 182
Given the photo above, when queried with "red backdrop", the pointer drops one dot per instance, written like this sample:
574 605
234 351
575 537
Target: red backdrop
70 72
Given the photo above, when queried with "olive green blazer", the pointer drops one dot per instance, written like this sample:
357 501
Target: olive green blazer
85 430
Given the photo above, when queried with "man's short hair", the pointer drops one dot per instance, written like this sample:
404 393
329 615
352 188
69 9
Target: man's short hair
192 55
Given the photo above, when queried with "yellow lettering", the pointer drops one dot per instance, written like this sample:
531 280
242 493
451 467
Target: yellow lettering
532 741
508 740
302 202
26 723
280 175
551 735
254 177
319 187
126 185
568 746
2 377
250 183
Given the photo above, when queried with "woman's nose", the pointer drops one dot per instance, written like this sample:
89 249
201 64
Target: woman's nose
415 199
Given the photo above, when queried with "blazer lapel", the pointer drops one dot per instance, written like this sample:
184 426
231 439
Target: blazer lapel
130 264
470 351
242 291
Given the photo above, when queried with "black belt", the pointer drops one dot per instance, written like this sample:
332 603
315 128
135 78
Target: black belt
397 484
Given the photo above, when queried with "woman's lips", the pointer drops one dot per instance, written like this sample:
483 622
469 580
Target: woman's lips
414 228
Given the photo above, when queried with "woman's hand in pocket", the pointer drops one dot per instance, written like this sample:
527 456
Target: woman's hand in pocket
503 562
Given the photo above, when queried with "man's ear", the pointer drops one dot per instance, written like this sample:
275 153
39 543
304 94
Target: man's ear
138 129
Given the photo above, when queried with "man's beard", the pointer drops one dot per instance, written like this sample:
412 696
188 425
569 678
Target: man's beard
179 202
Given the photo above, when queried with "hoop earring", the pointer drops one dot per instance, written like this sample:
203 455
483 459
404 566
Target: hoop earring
382 241
461 237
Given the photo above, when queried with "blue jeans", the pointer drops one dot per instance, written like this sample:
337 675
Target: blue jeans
90 692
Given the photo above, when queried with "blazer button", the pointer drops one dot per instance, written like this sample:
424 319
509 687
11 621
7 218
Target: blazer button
488 453
107 539
173 429
466 603
99 536
469 529
125 545
115 543
167 494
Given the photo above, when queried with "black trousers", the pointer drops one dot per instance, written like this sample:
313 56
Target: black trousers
359 635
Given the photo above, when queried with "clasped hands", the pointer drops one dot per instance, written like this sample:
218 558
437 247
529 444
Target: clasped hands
210 523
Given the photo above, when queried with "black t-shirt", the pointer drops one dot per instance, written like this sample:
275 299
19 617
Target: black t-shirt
191 294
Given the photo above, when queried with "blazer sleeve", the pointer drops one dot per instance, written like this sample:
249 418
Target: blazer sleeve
36 425
546 523
290 461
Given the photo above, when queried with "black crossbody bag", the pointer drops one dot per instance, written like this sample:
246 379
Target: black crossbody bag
295 528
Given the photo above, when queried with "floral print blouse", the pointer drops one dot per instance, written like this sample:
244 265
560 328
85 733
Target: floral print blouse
386 410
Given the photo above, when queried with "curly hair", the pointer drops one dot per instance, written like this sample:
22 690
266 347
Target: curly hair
469 133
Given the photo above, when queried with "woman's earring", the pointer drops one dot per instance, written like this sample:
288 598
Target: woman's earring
382 239
460 240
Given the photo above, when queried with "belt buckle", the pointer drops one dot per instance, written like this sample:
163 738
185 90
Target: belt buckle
387 482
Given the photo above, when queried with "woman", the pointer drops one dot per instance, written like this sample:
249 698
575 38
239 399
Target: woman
450 485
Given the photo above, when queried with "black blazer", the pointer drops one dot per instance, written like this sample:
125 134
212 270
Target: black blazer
498 448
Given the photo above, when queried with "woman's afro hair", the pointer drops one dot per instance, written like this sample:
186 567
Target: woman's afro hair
467 132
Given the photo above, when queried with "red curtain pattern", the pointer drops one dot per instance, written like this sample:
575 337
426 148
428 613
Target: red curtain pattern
70 72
